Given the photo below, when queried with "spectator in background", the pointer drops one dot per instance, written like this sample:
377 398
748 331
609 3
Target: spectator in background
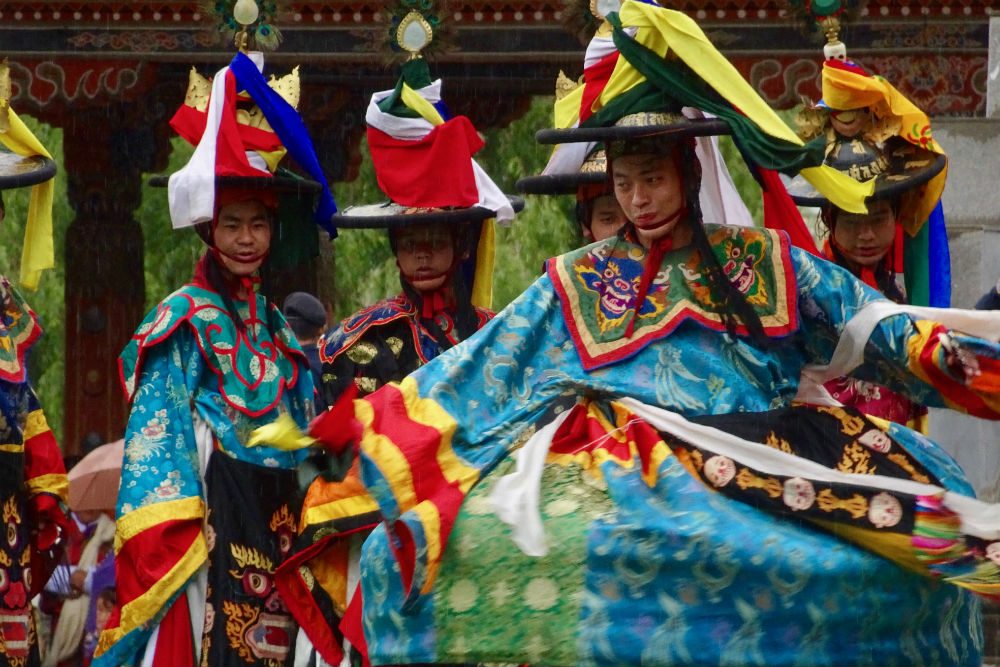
990 300
101 608
307 318
88 557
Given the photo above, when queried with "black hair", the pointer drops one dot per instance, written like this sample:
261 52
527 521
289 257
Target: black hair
733 307
584 209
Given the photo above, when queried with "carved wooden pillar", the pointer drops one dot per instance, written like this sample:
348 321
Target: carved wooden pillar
106 152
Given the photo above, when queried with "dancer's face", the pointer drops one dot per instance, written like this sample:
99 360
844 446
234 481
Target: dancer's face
606 218
865 239
243 236
425 254
648 188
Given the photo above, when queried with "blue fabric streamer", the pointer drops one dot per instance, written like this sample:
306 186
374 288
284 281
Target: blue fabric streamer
939 260
289 127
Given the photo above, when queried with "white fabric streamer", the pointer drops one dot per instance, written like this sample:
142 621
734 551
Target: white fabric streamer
515 497
850 350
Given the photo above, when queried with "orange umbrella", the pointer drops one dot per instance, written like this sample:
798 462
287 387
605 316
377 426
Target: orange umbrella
93 482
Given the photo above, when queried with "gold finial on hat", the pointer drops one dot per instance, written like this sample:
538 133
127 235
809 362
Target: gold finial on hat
245 12
5 94
600 10
834 49
414 34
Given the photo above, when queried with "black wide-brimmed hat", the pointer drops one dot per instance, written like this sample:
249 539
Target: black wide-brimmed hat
390 215
594 171
898 167
641 125
283 182
35 171
18 171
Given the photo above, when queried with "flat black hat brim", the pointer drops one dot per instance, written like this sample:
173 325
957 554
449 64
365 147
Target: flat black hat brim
559 184
886 186
278 184
388 215
695 127
18 171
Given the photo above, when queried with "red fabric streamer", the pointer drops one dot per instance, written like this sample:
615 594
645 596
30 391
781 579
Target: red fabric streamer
781 213
659 248
595 80
336 429
190 123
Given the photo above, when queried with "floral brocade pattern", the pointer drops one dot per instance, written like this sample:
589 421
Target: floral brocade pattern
161 461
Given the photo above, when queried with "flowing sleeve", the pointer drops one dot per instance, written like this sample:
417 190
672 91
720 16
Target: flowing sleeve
428 439
851 330
48 492
159 541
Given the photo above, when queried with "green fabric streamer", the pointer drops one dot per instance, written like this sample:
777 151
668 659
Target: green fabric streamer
294 241
916 268
672 84
416 75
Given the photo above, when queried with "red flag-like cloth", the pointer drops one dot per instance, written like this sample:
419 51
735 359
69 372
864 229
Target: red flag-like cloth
433 172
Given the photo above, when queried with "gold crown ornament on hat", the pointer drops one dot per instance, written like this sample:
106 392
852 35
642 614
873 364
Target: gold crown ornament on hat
247 113
5 93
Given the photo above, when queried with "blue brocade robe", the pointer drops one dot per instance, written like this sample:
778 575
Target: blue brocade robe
660 572
199 386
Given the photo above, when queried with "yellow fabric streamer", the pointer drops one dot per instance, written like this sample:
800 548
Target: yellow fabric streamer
566 112
662 30
482 282
38 253
272 158
415 101
843 191
283 433
845 90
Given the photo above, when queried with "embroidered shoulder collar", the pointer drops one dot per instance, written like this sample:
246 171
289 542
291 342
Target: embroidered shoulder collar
597 288
351 329
19 330
252 369
399 307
